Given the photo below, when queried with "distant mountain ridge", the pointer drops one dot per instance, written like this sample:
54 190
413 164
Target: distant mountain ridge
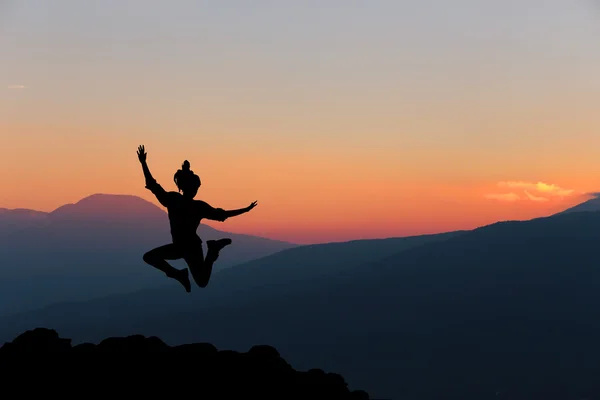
107 205
100 207
93 248
19 218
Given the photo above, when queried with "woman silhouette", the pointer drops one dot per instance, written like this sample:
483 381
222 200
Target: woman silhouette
185 214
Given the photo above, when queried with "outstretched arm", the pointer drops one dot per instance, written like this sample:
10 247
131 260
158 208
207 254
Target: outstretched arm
218 214
233 213
151 184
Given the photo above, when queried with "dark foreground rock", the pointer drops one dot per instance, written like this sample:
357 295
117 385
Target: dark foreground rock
41 361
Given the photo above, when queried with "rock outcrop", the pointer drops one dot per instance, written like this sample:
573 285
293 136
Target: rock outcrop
41 361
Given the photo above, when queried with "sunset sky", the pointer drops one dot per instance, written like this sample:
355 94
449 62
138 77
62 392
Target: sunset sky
345 119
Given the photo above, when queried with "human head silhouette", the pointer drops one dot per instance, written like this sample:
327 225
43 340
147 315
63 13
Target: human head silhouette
186 181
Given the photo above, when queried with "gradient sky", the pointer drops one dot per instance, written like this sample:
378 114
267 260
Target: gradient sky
345 119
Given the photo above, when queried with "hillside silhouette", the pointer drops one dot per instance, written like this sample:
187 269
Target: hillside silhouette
97 242
592 204
511 307
146 365
19 218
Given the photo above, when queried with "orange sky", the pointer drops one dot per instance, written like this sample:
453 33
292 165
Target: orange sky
384 121
304 196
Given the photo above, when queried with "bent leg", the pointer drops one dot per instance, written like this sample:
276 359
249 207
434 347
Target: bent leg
202 268
194 258
157 258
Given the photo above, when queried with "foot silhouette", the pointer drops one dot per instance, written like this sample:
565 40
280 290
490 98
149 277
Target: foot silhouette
214 247
182 276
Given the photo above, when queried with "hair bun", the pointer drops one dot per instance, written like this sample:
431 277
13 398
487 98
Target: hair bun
186 165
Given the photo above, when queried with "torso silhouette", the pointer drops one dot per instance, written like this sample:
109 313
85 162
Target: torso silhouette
185 214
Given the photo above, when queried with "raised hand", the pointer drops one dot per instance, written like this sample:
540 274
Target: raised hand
141 153
251 206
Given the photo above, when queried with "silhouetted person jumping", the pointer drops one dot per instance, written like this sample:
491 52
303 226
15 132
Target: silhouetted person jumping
185 214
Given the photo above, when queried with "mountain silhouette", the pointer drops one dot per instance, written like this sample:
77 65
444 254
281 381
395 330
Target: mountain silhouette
510 307
15 219
146 365
295 268
94 248
100 206
592 204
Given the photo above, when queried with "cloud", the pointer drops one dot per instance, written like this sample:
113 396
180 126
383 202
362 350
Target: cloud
16 86
538 192
540 187
509 197
535 198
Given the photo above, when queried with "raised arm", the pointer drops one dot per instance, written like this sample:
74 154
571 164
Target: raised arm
142 157
151 184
